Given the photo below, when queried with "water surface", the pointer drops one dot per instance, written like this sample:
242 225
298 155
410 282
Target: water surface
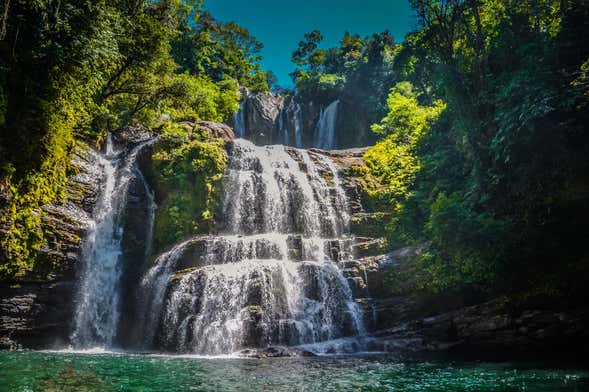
46 371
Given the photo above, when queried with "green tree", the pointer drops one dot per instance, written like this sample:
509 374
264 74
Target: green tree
502 174
71 70
220 51
394 162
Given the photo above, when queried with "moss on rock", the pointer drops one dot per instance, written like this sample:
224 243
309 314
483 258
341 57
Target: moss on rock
187 167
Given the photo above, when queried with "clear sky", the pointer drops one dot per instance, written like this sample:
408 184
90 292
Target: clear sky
280 24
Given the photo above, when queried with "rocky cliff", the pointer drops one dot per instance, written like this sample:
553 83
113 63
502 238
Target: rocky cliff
267 118
36 309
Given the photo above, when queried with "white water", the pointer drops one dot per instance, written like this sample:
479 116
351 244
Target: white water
325 129
272 277
283 128
239 120
97 310
298 126
290 125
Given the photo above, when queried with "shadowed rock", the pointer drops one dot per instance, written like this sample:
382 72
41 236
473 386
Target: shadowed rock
37 308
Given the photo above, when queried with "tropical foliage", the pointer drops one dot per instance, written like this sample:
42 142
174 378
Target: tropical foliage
360 71
494 180
75 70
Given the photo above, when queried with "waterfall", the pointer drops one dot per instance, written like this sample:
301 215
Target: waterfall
290 124
97 311
298 124
325 130
283 128
272 277
239 119
151 209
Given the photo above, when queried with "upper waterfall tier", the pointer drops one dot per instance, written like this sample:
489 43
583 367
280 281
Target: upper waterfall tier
267 191
265 118
326 122
272 277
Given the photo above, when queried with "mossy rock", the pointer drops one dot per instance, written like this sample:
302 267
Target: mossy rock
366 247
181 274
185 169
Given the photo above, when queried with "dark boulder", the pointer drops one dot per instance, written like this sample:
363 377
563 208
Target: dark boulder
131 135
216 130
494 328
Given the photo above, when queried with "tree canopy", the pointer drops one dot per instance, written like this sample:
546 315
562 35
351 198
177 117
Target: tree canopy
72 70
496 181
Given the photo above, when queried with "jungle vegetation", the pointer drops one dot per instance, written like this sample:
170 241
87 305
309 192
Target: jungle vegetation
481 118
72 70
483 155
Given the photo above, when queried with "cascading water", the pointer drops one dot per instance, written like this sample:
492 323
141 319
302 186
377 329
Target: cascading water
273 277
239 120
325 129
290 125
283 128
298 126
97 311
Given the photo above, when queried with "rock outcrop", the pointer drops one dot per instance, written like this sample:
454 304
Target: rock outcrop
261 116
501 328
131 135
216 130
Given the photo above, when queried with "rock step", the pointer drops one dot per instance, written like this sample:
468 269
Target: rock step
486 328
368 246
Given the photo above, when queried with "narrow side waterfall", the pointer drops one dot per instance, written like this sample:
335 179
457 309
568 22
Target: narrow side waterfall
272 277
283 128
290 132
239 120
325 130
97 311
298 126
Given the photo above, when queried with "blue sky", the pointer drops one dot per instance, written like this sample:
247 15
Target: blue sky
280 24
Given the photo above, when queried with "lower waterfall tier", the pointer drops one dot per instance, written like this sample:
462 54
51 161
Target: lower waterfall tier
224 308
218 295
273 278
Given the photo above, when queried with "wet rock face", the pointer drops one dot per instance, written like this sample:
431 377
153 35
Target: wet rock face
135 248
266 118
262 111
131 135
35 310
493 328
